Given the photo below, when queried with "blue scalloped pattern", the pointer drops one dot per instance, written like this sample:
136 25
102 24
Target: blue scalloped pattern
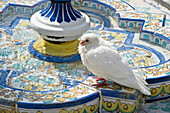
55 12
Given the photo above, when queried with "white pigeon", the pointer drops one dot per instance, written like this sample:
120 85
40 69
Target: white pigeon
102 59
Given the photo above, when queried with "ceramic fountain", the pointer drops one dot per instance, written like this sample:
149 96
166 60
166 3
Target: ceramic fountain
41 70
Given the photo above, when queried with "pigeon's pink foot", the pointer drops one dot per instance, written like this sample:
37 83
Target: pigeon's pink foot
100 82
98 78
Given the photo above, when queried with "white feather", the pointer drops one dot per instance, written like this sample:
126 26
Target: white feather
103 60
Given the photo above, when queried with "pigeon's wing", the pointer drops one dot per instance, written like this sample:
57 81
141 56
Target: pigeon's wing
106 62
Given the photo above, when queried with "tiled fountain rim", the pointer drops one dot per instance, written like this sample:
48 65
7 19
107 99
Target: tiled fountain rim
41 105
111 7
141 20
31 6
12 4
99 2
133 19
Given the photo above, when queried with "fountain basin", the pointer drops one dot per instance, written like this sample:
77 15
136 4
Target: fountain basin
22 83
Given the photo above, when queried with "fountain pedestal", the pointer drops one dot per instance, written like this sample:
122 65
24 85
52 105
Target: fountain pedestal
59 25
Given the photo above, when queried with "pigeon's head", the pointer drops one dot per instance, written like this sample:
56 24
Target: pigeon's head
89 39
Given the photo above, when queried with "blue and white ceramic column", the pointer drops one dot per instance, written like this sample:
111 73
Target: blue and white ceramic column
60 22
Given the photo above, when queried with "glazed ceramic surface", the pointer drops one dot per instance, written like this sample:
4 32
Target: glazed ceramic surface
33 84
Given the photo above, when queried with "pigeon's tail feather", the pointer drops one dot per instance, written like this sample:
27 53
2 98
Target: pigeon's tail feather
141 79
144 89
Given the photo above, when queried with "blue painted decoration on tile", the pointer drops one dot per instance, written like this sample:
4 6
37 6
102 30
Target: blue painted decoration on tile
55 12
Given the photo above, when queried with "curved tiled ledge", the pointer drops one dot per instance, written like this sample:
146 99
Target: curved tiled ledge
22 9
48 99
127 18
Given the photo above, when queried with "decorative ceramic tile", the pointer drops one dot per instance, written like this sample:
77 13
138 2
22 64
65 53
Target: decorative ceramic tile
164 31
4 3
67 87
116 97
153 22
118 5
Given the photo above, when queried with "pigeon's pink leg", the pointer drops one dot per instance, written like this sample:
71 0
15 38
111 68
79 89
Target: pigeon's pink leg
99 78
98 83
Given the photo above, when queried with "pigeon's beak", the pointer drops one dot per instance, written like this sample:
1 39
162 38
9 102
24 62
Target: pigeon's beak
81 42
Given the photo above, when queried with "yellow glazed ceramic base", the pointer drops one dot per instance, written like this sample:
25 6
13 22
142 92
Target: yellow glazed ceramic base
63 49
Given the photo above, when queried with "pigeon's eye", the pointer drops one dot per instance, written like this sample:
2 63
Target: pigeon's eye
87 40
